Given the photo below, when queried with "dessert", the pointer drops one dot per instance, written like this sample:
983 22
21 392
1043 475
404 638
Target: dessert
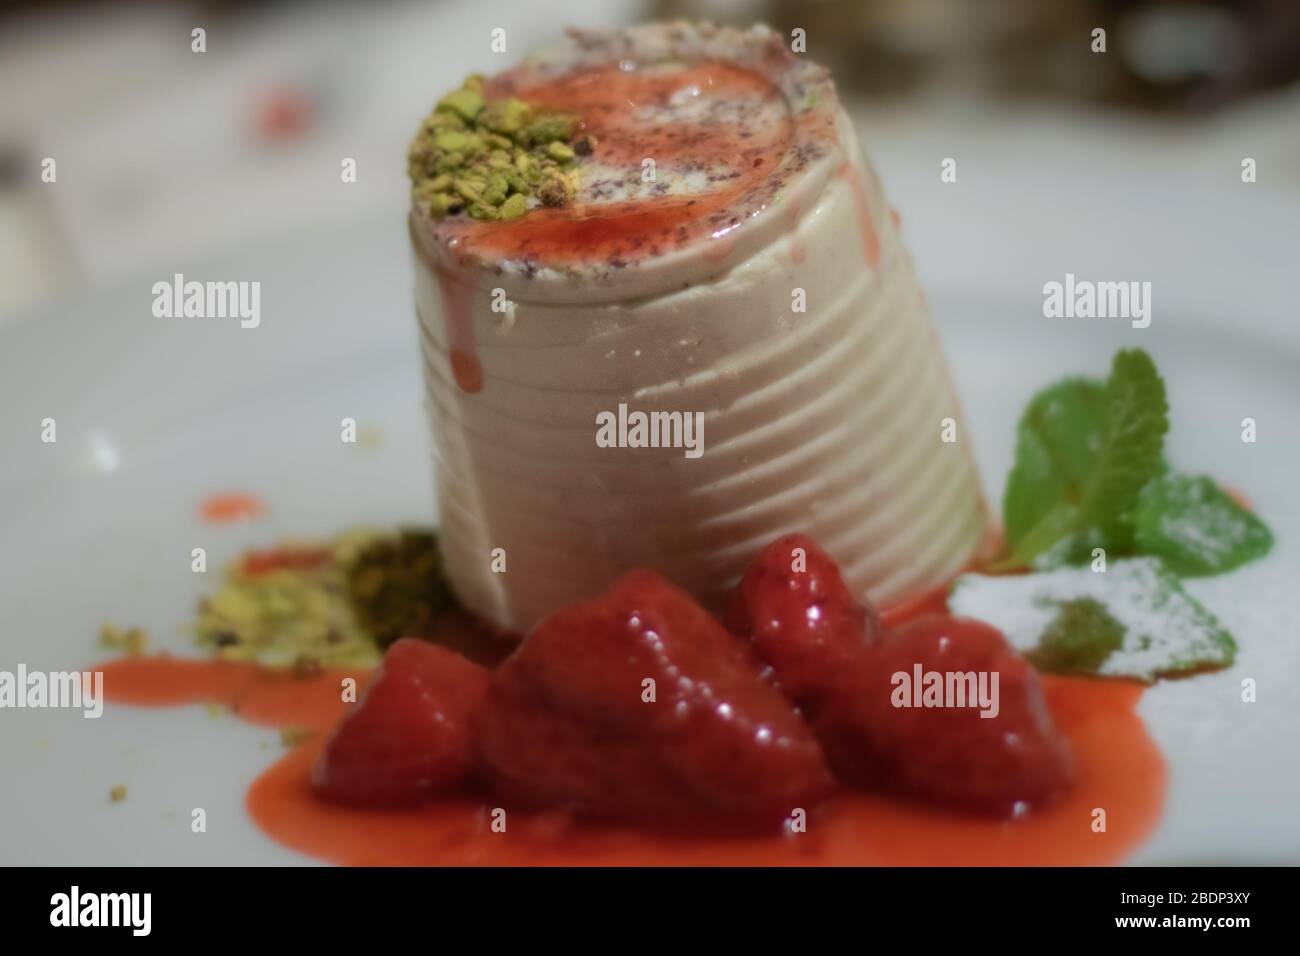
979 726
711 662
707 241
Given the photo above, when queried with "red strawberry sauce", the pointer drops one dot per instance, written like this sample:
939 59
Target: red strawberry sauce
619 108
1119 769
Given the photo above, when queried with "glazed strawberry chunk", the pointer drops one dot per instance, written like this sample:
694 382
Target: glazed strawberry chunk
882 729
827 653
408 737
803 620
640 706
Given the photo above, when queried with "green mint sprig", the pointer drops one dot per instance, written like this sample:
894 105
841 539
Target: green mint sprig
1090 473
1084 453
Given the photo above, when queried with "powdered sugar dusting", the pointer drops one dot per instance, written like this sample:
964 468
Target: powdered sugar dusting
1165 630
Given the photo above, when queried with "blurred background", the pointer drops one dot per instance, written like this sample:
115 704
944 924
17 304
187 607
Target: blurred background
161 151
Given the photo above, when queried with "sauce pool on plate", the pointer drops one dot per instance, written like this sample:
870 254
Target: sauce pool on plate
1119 770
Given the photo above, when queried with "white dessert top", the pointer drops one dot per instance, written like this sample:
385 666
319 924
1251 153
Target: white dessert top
687 135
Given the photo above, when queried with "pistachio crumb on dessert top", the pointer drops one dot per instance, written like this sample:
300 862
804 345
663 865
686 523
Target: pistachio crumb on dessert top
494 158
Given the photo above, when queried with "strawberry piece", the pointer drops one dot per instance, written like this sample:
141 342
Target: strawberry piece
827 654
948 754
567 722
802 618
408 737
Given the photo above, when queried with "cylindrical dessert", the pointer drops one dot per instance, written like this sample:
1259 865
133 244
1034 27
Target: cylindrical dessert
725 251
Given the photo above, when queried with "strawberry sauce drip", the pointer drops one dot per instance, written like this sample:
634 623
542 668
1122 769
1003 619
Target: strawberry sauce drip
458 321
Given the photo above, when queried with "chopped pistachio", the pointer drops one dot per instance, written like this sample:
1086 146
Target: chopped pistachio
278 615
442 204
361 592
465 103
555 190
514 207
134 641
467 190
496 190
448 162
453 141
561 152
441 120
551 128
421 153
473 155
424 191
506 116
396 585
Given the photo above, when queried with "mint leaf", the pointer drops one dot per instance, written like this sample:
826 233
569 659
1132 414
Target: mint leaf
1079 639
1057 442
1195 527
1084 451
1137 418
1165 630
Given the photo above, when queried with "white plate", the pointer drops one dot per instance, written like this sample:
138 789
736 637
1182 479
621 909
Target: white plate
154 414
